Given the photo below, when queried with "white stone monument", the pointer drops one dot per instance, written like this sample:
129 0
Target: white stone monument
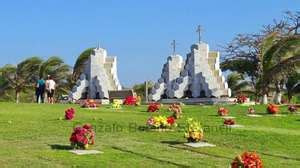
199 76
99 77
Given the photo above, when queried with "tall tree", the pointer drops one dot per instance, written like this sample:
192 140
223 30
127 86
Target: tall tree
279 58
245 54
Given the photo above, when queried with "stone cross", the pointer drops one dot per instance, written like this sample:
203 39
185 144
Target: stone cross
173 44
199 31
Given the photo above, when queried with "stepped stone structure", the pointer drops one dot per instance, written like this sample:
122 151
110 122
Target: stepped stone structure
99 77
199 76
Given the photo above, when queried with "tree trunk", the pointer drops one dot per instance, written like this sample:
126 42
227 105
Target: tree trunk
146 91
289 95
17 96
264 99
277 98
278 95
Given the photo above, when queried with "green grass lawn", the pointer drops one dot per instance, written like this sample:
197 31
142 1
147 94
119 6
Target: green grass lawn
32 135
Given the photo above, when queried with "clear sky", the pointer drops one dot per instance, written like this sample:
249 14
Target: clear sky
138 32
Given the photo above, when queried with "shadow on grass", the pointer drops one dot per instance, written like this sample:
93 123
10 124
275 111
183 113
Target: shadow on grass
60 147
171 142
214 115
272 115
150 157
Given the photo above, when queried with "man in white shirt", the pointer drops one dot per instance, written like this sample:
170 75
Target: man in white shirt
50 87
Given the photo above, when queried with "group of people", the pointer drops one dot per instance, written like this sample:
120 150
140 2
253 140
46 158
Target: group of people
47 86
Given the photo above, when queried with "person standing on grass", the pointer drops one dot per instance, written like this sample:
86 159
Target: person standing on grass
40 90
50 86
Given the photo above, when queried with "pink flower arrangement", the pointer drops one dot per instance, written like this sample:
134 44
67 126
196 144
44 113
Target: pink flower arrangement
130 100
69 114
223 111
153 107
229 122
292 108
241 99
176 109
82 137
89 103
251 110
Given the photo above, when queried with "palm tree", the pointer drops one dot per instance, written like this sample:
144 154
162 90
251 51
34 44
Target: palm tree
61 72
237 83
279 57
20 77
23 76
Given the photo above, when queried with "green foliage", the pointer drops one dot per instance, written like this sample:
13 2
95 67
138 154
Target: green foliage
34 136
242 66
79 64
20 81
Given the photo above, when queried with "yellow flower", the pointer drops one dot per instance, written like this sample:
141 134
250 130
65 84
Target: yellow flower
86 146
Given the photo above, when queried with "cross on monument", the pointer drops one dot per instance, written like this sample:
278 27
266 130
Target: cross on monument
199 31
173 44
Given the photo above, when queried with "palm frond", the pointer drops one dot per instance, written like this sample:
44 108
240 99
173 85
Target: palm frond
81 60
281 50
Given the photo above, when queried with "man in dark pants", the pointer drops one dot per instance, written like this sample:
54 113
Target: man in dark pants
40 90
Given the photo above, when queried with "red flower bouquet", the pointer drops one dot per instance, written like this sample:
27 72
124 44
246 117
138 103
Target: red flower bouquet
82 137
130 100
229 122
176 109
89 103
153 107
247 160
241 99
171 120
292 108
69 114
223 111
272 109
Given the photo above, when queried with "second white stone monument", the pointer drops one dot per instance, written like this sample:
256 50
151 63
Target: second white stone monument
199 76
